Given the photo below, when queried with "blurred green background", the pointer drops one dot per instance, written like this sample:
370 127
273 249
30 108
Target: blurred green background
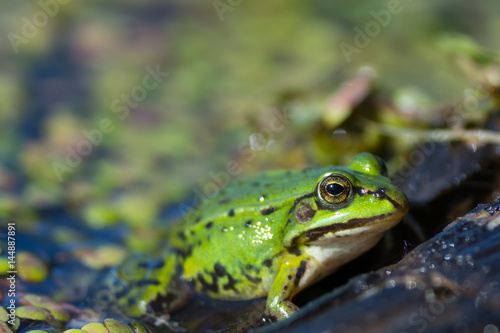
116 115
67 66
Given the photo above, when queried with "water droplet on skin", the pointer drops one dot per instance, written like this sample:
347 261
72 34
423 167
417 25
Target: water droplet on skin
447 256
411 284
390 284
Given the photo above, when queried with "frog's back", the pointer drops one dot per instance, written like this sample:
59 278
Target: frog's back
229 245
265 189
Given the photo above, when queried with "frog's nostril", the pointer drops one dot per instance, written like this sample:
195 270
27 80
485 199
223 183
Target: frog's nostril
380 193
361 191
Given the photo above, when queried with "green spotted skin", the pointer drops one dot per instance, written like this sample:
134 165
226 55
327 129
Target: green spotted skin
269 236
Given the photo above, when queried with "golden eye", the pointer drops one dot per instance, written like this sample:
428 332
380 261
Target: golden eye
334 189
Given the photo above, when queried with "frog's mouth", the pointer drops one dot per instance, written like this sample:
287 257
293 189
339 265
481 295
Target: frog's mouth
375 224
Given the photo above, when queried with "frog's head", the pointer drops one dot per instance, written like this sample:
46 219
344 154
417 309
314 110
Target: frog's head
349 204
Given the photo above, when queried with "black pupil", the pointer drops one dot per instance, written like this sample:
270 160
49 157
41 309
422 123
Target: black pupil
334 188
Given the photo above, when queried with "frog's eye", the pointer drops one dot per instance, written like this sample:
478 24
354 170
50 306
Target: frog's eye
334 189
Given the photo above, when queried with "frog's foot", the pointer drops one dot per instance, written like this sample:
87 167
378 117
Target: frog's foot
164 319
281 309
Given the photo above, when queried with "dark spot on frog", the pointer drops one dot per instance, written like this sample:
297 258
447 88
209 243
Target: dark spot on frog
230 283
209 225
248 223
192 232
285 287
245 271
300 272
231 212
181 235
268 184
254 279
304 213
208 286
219 269
223 201
199 242
156 264
289 277
268 210
185 253
253 268
268 262
146 282
255 184
163 303
198 219
288 222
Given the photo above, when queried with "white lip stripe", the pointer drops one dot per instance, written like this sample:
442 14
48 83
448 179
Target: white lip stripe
334 249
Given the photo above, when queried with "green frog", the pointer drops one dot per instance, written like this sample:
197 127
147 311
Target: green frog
267 236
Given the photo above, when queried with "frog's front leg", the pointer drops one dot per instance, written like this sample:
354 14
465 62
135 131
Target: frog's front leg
285 286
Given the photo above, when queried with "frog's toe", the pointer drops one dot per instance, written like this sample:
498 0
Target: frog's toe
282 311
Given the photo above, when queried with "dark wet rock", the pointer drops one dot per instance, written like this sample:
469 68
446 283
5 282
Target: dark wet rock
436 167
